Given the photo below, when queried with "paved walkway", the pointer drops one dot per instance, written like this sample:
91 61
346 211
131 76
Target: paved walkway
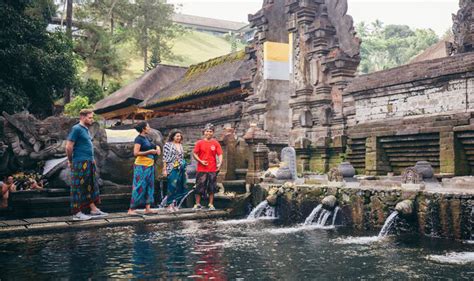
54 224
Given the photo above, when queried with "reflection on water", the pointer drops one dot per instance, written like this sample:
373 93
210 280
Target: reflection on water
223 251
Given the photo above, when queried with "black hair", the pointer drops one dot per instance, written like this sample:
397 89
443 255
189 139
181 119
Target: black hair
141 126
173 133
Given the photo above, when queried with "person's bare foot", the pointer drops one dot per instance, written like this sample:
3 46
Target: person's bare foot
150 212
131 212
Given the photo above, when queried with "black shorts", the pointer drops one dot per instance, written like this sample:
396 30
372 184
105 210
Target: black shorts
206 183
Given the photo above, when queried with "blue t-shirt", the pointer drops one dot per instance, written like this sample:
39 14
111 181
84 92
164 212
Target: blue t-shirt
83 148
145 144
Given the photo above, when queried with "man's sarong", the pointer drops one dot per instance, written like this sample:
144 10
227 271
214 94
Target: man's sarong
143 186
84 185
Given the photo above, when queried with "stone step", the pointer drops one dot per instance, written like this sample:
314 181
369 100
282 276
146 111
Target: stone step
409 138
464 135
413 154
241 174
237 186
411 144
467 141
414 158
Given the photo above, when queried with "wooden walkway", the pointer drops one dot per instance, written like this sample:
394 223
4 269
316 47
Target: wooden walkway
57 224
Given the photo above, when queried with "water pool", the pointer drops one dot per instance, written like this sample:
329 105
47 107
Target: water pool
231 250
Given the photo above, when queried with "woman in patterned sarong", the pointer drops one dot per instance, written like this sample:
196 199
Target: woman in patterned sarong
143 171
174 169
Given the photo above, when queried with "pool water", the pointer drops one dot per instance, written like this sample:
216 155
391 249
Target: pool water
219 250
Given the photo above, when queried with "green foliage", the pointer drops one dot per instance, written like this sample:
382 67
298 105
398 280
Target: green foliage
152 28
389 46
73 108
98 51
36 65
90 89
113 87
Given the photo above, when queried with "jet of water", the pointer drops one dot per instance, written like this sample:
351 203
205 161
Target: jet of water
184 198
389 222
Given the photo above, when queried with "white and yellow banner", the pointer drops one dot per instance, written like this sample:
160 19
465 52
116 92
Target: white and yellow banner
276 64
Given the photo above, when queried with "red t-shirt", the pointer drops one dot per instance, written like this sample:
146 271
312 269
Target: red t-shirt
207 150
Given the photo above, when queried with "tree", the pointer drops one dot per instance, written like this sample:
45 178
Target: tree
90 89
36 64
73 108
152 28
389 46
98 51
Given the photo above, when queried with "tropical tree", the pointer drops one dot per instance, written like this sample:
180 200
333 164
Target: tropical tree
389 46
36 65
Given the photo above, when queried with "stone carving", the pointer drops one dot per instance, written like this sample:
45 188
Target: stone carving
412 176
273 160
33 143
288 156
463 28
335 175
348 42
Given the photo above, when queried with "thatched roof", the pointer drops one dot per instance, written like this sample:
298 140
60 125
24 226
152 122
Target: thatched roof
208 78
436 51
140 89
411 73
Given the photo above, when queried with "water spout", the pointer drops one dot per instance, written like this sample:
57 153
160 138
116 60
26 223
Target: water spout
184 198
262 210
321 216
389 222
163 202
405 207
329 202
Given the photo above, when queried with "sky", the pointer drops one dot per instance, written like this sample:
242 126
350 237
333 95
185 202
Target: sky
434 14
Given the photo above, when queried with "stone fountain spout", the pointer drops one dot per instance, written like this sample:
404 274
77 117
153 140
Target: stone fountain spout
329 202
405 207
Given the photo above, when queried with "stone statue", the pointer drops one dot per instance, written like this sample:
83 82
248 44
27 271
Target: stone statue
463 28
335 175
30 144
412 176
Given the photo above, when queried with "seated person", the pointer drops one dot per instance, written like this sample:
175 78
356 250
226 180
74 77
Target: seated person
35 185
7 186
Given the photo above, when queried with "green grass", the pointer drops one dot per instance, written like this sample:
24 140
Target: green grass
191 48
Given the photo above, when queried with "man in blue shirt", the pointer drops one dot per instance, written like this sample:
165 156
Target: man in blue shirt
80 155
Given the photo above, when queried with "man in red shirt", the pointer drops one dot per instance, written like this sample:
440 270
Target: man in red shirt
205 152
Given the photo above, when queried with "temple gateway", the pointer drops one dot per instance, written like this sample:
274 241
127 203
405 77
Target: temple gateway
298 83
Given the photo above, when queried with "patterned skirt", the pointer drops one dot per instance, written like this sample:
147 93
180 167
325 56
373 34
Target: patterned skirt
176 185
84 186
143 186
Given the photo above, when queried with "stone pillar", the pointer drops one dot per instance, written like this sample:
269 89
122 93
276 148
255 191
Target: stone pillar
228 141
257 139
452 158
303 154
376 163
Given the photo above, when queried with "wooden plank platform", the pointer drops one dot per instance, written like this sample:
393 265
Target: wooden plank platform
58 224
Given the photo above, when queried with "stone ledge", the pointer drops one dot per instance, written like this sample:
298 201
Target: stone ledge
54 224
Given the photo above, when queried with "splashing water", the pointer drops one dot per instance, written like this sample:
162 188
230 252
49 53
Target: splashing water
309 220
389 222
453 258
163 202
184 198
321 215
263 210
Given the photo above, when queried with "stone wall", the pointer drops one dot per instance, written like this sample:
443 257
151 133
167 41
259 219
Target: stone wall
192 123
447 215
418 112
